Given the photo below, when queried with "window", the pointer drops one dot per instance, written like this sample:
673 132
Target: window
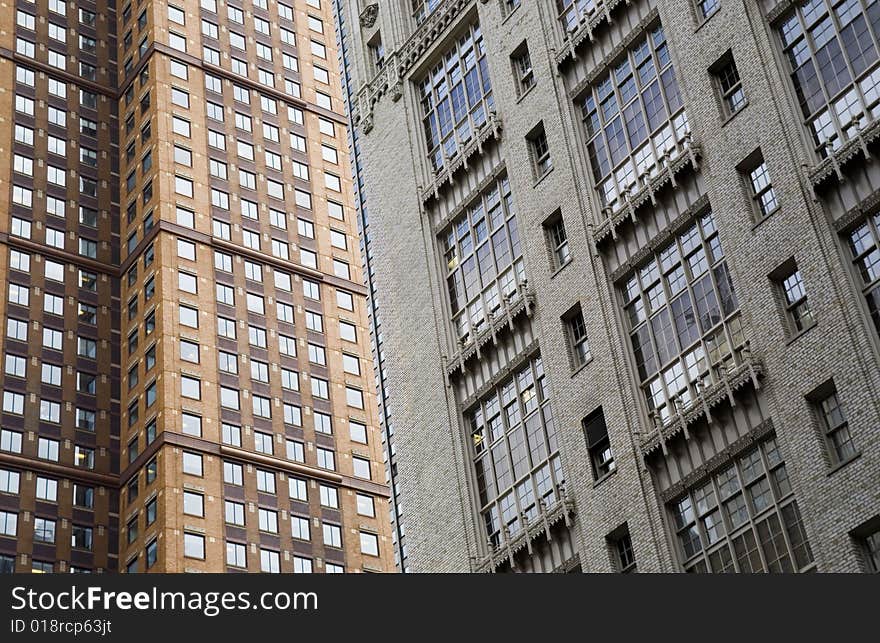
193 546
522 69
864 244
44 530
576 332
300 528
47 449
265 481
683 317
483 259
326 458
743 519
263 443
190 387
622 551
361 468
514 445
83 496
557 241
270 562
797 307
47 489
297 489
193 504
830 49
9 481
633 117
729 85
836 428
706 8
233 474
267 520
332 535
366 505
8 523
872 551
10 441
296 451
369 544
761 189
192 463
191 425
596 433
463 69
329 497
236 555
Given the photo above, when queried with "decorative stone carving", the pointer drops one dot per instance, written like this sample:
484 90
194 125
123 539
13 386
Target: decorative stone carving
369 15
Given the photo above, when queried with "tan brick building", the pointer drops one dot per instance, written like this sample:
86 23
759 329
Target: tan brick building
187 381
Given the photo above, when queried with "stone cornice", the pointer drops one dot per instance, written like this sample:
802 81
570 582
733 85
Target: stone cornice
490 130
399 63
662 238
472 196
689 155
755 435
503 318
511 367
748 372
562 510
856 147
584 31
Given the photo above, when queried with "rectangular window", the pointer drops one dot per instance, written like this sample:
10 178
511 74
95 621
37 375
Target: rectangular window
742 519
829 47
633 118
576 332
796 305
683 317
864 244
836 428
729 85
450 119
598 444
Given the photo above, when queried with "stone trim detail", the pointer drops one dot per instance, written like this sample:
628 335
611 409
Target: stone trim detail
667 234
688 158
832 166
509 369
868 206
705 470
563 510
470 198
503 318
576 38
746 373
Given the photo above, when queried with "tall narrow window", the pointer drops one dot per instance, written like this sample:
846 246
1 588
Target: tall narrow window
864 244
761 189
730 88
557 240
836 429
796 305
539 150
522 69
576 331
598 444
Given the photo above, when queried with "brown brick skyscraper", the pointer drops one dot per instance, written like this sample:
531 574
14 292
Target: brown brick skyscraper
187 381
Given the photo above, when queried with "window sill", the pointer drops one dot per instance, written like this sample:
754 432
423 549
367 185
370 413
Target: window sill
560 269
604 478
575 373
512 13
702 22
801 333
541 178
523 95
764 218
729 117
840 465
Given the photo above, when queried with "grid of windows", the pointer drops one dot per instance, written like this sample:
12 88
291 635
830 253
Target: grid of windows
743 519
683 317
456 97
832 51
514 442
634 119
483 259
